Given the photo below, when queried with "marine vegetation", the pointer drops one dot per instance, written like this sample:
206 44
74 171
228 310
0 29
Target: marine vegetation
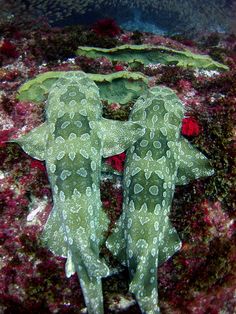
146 54
106 27
119 87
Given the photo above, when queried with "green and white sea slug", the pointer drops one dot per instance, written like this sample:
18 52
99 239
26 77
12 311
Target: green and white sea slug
161 159
72 141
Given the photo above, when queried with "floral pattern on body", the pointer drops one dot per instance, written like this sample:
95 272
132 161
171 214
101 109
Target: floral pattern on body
73 140
144 237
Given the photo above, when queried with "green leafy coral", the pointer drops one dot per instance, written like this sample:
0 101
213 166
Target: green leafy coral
146 54
120 87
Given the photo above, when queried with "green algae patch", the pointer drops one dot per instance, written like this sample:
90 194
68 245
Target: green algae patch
37 89
146 54
120 87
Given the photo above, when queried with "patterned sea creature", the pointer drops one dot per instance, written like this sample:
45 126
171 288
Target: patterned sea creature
144 237
72 140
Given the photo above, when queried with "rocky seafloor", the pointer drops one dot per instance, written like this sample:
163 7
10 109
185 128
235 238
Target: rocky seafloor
201 277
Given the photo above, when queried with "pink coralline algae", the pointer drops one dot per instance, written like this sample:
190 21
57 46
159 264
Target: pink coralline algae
114 106
190 127
21 116
8 49
106 27
104 65
125 38
117 161
184 85
5 135
218 222
35 164
118 68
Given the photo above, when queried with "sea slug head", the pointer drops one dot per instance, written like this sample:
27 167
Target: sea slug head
74 93
159 109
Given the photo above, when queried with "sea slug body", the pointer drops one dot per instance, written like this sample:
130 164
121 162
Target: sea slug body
72 141
161 159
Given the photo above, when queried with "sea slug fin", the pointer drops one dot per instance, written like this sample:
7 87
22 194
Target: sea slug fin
70 267
34 142
192 164
119 135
